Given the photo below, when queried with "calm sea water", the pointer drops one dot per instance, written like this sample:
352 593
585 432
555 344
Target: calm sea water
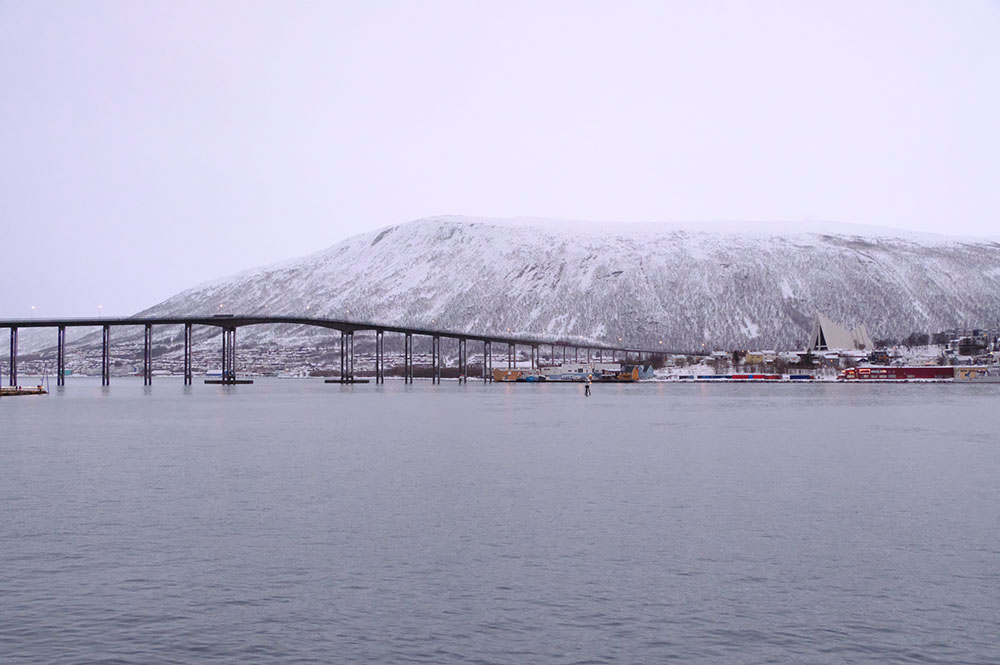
296 521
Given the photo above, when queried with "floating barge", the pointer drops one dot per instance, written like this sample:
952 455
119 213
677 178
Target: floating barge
17 391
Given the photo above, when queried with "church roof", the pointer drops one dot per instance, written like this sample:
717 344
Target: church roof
829 336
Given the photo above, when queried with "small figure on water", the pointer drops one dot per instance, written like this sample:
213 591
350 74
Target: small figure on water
586 386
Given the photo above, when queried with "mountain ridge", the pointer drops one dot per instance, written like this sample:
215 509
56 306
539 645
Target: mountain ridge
685 287
783 228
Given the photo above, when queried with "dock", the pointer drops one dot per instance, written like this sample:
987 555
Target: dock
229 382
346 380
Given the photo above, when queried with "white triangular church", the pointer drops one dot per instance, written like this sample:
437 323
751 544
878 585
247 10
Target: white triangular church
829 336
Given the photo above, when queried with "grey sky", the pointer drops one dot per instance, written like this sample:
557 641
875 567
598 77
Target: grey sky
149 146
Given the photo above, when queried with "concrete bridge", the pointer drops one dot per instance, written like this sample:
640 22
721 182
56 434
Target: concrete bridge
228 323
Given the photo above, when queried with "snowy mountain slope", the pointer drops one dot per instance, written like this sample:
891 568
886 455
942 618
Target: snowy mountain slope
720 289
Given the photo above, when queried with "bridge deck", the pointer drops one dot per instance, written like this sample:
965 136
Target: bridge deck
343 325
230 322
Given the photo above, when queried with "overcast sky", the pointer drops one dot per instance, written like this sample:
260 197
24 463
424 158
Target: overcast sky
149 146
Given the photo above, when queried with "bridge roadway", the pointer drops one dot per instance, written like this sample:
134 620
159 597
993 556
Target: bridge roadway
230 322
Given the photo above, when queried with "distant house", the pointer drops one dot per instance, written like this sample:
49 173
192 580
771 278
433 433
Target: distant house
760 357
879 357
829 336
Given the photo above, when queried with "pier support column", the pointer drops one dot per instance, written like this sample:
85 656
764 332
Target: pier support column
187 354
486 359
350 355
228 355
408 358
147 356
588 355
61 356
13 356
435 359
106 355
511 352
343 355
463 361
379 357
232 353
347 355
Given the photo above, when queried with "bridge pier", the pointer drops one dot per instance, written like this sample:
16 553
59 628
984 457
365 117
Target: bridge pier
511 352
61 356
147 356
462 368
379 357
408 358
229 354
350 355
13 356
347 355
187 354
435 359
105 355
487 361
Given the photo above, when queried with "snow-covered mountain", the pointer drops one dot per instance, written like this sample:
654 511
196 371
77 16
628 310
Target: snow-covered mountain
723 289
